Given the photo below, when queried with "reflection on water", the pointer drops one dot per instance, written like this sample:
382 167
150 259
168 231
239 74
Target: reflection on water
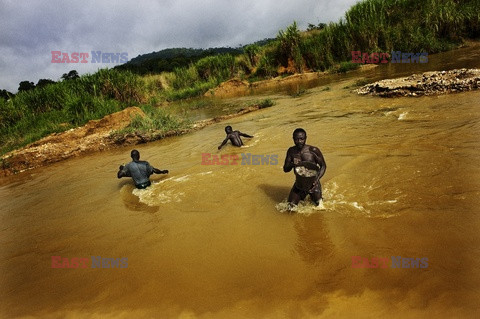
211 241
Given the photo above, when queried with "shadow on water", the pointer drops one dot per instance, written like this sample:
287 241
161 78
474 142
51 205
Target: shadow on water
314 242
276 193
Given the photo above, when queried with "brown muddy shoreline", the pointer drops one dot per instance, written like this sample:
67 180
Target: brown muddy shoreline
96 135
237 87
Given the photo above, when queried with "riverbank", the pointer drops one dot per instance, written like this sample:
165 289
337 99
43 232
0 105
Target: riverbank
95 136
237 87
110 131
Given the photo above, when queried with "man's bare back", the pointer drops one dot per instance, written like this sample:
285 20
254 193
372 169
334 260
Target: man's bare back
234 137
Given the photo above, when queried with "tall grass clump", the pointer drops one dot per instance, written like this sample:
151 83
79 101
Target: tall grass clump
289 47
374 26
268 63
344 67
201 76
219 67
252 52
156 122
411 26
33 114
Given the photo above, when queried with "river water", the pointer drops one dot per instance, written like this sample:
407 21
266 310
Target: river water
213 241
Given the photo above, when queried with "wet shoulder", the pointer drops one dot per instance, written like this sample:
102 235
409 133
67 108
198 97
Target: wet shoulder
140 163
292 150
313 149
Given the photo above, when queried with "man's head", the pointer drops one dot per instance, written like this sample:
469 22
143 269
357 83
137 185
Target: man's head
299 137
228 129
135 155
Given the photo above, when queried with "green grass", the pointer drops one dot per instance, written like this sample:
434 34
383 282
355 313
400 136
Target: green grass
266 103
156 122
34 114
197 89
344 67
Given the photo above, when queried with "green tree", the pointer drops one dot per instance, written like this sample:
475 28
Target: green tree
44 82
25 86
252 51
72 75
6 95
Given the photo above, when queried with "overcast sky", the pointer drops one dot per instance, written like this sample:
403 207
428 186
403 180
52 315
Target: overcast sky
30 30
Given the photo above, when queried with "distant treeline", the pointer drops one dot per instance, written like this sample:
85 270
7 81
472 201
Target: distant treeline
369 26
168 60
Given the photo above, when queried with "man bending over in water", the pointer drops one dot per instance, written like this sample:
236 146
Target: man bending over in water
234 137
302 152
138 170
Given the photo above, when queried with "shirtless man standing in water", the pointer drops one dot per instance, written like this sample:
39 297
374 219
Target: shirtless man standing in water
234 137
302 152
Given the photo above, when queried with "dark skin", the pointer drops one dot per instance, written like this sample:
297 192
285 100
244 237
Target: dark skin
234 137
121 174
303 152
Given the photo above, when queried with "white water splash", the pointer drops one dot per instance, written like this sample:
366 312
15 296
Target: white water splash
336 201
402 116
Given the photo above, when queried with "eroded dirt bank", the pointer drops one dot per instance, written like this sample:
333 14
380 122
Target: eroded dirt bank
235 87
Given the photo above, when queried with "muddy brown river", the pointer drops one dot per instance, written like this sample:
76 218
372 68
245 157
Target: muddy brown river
213 241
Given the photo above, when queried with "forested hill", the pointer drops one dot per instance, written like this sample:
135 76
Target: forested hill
168 59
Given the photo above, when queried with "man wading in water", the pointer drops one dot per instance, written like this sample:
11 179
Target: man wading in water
306 153
139 171
234 137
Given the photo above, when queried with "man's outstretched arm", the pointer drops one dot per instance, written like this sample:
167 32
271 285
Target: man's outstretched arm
244 134
121 173
223 143
157 171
